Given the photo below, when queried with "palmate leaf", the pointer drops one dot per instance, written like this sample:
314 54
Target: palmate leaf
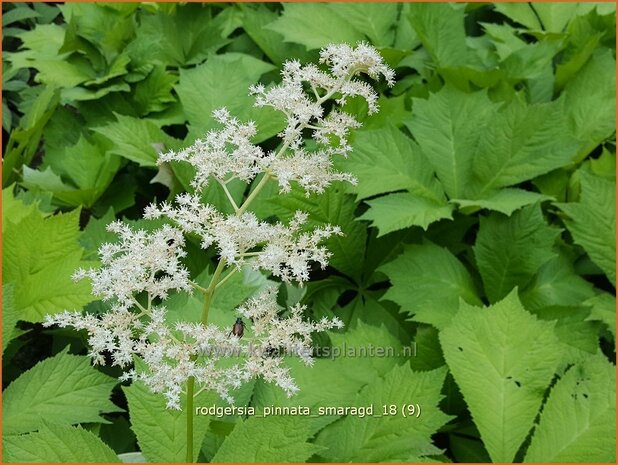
314 25
384 161
502 359
556 283
135 139
63 389
210 86
389 438
589 100
41 270
578 422
57 444
427 282
505 200
448 126
510 250
479 148
592 221
522 142
183 37
440 28
270 439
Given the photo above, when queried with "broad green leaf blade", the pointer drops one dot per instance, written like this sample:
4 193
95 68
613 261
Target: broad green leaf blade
9 314
211 86
502 359
134 139
62 389
578 422
41 270
386 160
375 20
384 437
162 432
441 30
270 439
589 100
603 309
399 211
592 221
448 126
427 282
522 142
314 25
504 200
556 284
57 444
510 250
155 92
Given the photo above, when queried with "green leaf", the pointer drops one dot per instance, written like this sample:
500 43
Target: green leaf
440 28
573 329
386 160
41 270
510 250
589 100
502 359
9 314
556 284
592 221
184 37
57 443
155 92
399 211
522 13
385 437
448 126
505 200
578 422
87 164
603 309
375 20
270 439
19 13
427 282
107 28
63 389
211 86
162 432
134 139
255 17
522 142
14 209
314 25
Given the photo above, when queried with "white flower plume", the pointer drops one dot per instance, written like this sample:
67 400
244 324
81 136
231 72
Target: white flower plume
145 266
140 262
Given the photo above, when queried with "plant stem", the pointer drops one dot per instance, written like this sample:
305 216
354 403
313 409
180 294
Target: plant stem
190 387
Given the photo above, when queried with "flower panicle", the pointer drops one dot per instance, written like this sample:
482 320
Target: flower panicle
142 267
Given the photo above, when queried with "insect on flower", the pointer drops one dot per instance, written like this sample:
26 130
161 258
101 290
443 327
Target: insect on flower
238 328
